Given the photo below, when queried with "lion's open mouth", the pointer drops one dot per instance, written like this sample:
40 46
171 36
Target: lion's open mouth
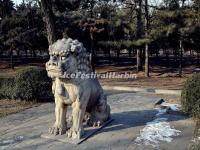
54 72
53 69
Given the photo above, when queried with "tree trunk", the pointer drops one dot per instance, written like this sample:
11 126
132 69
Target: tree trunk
146 60
139 33
146 35
181 57
11 59
118 54
91 9
183 3
109 54
167 58
129 52
49 20
92 51
139 60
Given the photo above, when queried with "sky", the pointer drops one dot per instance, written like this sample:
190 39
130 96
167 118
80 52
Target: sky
17 1
152 2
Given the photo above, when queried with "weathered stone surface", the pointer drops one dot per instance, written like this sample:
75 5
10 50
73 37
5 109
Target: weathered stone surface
68 63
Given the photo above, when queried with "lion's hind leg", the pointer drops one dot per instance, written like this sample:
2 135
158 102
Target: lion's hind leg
100 113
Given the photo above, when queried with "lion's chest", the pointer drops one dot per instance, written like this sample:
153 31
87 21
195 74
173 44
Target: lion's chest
71 91
67 92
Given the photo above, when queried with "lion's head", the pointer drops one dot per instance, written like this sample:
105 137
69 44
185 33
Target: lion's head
67 56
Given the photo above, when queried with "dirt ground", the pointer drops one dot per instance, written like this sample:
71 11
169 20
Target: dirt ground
11 106
160 77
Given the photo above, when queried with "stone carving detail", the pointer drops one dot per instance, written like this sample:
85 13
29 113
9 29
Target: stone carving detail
68 61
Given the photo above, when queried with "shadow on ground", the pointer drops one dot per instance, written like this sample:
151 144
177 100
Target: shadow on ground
131 119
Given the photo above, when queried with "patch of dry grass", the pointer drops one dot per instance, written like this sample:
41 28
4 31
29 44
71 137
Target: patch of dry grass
11 106
159 78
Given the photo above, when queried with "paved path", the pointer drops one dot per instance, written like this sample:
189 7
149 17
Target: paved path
143 90
130 112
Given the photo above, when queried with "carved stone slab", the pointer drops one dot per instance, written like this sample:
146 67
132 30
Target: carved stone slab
89 131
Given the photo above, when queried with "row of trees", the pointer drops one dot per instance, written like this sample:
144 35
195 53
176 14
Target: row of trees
136 25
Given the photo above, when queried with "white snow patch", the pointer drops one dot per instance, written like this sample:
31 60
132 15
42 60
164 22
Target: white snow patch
6 143
160 111
159 129
174 107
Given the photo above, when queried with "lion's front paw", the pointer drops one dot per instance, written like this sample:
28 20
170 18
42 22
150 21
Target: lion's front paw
94 123
75 134
55 130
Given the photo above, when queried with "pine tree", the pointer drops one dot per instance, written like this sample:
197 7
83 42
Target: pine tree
6 8
49 19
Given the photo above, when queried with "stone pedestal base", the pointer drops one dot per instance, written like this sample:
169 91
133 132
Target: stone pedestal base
89 131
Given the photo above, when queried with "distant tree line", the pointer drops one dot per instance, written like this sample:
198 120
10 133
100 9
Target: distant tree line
140 27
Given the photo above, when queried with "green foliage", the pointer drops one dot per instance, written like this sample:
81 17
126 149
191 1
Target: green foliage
123 43
6 87
196 4
32 83
190 97
195 145
172 4
6 8
22 27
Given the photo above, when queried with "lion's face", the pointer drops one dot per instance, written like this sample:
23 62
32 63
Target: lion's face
67 56
60 64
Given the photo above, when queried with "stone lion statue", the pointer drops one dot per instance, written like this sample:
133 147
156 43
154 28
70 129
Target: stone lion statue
68 62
